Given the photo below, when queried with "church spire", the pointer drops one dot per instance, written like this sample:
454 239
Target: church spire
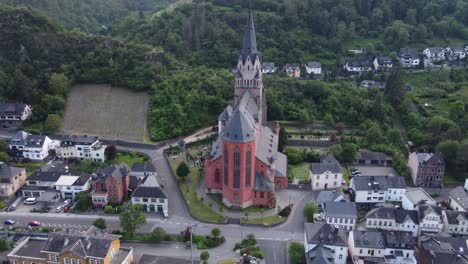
249 47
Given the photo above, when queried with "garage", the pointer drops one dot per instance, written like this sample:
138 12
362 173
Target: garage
152 208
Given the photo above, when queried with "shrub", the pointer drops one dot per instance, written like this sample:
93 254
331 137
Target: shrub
100 223
296 253
215 232
108 209
45 229
3 204
285 212
159 234
119 209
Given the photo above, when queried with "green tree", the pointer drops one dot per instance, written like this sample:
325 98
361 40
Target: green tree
449 150
310 209
374 134
394 88
182 170
282 139
204 256
159 234
4 157
59 84
110 152
84 201
108 209
296 253
52 123
131 219
394 137
100 223
457 110
349 152
215 232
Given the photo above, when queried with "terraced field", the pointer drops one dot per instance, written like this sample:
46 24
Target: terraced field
107 112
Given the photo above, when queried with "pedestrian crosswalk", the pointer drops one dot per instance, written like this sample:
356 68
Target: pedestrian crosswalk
73 226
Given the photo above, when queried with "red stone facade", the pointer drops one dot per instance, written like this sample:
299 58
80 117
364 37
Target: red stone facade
245 166
112 187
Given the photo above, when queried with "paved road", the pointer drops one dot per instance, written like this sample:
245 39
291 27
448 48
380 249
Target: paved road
275 251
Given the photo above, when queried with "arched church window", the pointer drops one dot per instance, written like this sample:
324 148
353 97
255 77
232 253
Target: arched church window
226 167
236 168
217 176
248 167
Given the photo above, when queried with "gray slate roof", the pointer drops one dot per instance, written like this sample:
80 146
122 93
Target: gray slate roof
8 171
72 140
418 195
401 215
358 63
35 141
249 47
369 239
365 154
408 53
436 49
143 167
370 183
268 65
12 108
460 196
78 244
340 209
382 213
32 248
261 183
281 165
425 209
430 157
455 217
242 125
19 139
396 239
443 244
325 234
326 196
327 163
314 64
118 172
46 176
320 255
226 114
384 60
149 192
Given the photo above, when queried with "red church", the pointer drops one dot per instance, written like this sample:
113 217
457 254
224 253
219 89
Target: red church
244 164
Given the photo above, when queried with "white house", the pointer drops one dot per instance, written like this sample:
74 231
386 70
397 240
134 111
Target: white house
143 169
313 67
357 65
381 247
341 214
434 53
38 146
81 147
151 196
327 196
430 218
13 114
17 144
378 189
268 67
408 57
455 52
458 198
393 219
327 174
383 63
320 236
413 197
71 184
455 222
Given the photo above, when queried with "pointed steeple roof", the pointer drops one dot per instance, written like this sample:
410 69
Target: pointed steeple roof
249 47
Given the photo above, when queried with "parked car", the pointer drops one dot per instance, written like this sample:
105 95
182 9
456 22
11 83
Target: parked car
11 208
343 182
30 201
353 170
34 223
67 208
59 209
9 222
66 202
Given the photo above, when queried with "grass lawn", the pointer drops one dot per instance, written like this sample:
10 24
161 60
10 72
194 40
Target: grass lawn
267 220
228 261
128 157
29 166
299 171
251 209
450 179
33 128
346 176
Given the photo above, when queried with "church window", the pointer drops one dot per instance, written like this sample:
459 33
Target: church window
261 194
226 168
217 176
236 168
248 167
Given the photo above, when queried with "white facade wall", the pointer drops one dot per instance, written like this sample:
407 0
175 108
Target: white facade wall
370 196
152 203
326 180
455 205
363 252
408 256
395 194
347 224
407 204
409 226
431 223
40 152
313 70
73 190
392 225
459 229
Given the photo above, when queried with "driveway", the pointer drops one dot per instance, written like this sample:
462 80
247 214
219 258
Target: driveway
374 170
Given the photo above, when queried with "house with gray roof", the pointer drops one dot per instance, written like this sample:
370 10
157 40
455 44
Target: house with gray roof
458 199
434 54
393 219
110 184
17 143
378 189
327 196
455 52
268 67
442 249
12 115
427 169
38 147
381 247
413 197
313 67
358 65
78 147
374 158
326 174
151 196
455 222
430 218
383 63
341 214
72 183
408 57
11 180
320 239
372 83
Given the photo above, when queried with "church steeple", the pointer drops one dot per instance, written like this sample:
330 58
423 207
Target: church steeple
249 47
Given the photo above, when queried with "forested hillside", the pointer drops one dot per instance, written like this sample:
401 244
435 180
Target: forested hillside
208 32
91 15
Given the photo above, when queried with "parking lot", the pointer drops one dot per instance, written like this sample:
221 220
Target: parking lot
25 208
375 170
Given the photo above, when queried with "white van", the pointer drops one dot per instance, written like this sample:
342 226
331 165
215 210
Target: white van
30 201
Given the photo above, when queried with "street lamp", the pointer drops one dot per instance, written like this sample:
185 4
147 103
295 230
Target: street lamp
191 241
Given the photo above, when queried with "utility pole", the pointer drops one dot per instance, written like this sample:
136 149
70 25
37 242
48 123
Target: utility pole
192 227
